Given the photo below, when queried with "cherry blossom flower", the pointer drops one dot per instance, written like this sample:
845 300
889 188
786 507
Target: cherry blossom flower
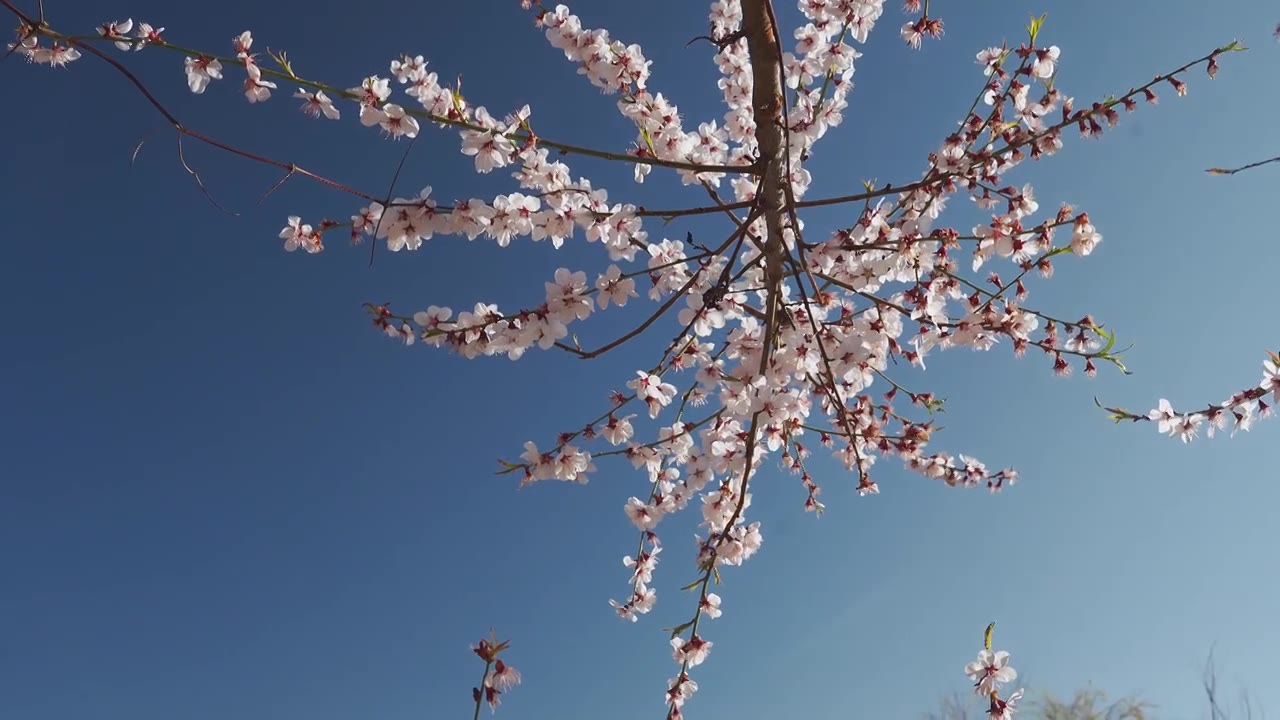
1003 708
1164 416
691 652
567 296
146 34
1243 415
490 147
614 288
680 689
990 671
503 677
56 55
255 88
1186 427
297 235
241 44
201 71
641 514
1084 238
1271 377
912 34
641 602
710 605
372 91
990 59
118 29
408 69
655 393
316 103
394 121
1045 62
541 466
433 318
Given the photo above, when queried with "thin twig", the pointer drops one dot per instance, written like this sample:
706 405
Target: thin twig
184 130
390 190
199 181
1242 168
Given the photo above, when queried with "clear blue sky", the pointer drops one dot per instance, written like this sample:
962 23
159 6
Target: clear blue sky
223 495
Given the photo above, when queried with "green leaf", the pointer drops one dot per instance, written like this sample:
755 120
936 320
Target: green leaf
986 637
1116 361
283 61
1108 335
1116 414
648 141
456 96
675 631
1034 28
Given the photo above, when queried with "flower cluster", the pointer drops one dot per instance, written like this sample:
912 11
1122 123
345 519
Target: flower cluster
1240 410
499 677
989 673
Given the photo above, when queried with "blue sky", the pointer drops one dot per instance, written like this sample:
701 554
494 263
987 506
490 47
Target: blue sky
225 496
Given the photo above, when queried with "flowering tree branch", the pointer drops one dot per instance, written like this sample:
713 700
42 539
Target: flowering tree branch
773 328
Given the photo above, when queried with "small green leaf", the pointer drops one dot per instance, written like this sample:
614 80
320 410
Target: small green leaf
1116 361
648 141
283 61
675 631
458 103
986 637
1108 335
1034 28
1116 414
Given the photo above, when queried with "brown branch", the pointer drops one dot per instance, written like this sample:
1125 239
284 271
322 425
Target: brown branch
390 190
182 158
184 130
1242 168
888 189
767 107
933 177
662 310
